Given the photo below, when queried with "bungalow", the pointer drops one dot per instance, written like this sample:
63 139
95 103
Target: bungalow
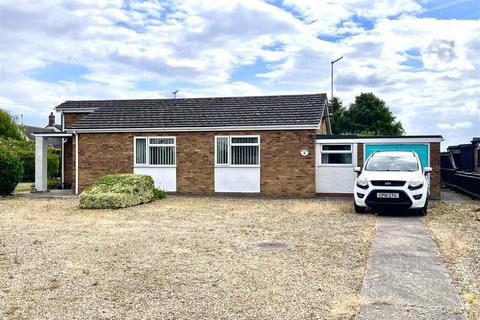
269 145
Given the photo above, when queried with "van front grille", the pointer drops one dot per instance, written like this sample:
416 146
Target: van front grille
388 183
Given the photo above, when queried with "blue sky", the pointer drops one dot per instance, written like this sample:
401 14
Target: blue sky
421 57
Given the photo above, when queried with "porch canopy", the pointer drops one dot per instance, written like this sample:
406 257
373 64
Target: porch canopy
41 147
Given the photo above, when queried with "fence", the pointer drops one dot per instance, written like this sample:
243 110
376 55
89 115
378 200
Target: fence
465 182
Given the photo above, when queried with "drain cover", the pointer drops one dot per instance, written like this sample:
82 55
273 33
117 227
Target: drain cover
273 245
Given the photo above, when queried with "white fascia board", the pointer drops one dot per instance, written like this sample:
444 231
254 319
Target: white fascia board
75 110
52 135
196 129
382 140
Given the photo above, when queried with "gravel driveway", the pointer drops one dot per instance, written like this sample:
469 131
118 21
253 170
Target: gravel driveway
182 258
456 231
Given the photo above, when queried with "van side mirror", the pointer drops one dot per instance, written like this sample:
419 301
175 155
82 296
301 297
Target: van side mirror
428 170
358 170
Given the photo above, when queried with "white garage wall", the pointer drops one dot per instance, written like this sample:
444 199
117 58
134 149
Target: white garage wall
334 178
237 179
165 178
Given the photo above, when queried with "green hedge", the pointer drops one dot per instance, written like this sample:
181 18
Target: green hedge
118 191
25 151
11 171
28 159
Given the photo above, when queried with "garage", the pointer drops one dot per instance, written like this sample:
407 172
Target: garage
337 156
420 149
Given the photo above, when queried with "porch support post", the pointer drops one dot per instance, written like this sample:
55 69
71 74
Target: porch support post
41 164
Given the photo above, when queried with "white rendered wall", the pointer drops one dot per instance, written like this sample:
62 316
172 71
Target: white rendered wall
165 178
335 178
237 179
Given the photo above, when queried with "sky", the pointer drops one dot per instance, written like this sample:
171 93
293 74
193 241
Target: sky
421 57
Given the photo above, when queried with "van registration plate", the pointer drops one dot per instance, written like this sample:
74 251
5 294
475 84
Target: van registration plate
388 195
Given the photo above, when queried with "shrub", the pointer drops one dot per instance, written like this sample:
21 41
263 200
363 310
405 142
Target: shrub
118 191
53 183
159 194
11 172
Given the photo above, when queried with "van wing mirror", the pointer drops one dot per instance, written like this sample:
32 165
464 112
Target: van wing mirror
358 170
428 170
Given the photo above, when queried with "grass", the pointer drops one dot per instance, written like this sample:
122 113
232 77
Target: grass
24 186
456 232
182 258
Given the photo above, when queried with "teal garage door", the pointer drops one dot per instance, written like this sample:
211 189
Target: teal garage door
420 149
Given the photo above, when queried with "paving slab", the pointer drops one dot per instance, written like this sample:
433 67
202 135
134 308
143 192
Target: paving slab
406 278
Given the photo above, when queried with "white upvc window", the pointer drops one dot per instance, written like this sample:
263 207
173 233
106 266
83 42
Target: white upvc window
237 151
155 151
336 154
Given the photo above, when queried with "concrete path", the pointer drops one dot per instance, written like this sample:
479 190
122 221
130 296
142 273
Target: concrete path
406 278
49 194
449 195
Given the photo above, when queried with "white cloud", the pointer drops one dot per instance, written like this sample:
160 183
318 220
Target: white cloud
456 125
426 69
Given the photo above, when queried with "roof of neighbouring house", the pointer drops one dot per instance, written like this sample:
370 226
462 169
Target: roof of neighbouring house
30 130
282 110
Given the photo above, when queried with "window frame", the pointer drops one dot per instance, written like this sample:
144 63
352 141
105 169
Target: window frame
147 151
321 152
229 153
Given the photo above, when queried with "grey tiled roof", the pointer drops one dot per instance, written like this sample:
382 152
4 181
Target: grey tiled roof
29 130
289 110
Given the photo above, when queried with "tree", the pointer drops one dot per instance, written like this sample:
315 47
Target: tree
337 111
8 127
368 115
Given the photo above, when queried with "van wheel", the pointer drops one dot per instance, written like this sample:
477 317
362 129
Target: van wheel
359 209
423 211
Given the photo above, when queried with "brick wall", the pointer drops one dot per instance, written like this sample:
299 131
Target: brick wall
68 162
323 127
360 155
284 172
70 118
435 175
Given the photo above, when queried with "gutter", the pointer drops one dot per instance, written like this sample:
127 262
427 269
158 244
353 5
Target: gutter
198 129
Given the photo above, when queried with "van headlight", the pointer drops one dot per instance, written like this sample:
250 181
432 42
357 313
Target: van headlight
362 183
415 184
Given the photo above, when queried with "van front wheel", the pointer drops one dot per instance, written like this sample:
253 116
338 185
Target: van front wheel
359 209
423 211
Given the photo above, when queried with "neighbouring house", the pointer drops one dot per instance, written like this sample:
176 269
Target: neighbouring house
50 128
268 145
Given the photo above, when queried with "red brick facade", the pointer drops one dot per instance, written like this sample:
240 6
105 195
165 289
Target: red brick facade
71 118
283 172
435 175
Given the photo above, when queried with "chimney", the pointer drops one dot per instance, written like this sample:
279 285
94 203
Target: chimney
51 119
